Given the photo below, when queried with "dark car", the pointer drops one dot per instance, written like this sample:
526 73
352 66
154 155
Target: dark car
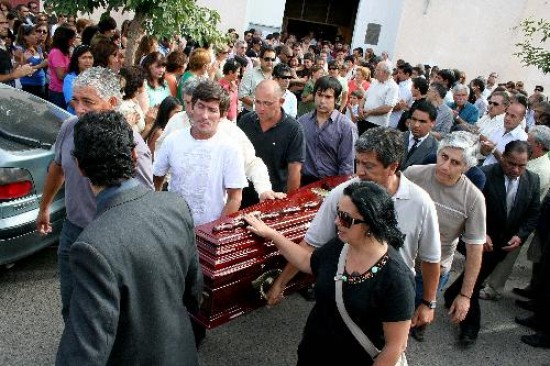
28 129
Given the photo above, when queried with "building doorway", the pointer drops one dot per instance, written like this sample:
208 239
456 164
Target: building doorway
327 18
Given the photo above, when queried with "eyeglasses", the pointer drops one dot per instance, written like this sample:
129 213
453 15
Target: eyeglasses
284 77
493 103
346 220
268 59
42 31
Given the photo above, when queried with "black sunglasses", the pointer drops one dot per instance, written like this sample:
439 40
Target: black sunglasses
267 59
346 220
493 103
284 77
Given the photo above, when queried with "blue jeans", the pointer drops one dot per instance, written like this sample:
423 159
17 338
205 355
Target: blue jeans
420 285
68 236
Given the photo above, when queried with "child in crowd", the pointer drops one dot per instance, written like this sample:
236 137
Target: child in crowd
352 109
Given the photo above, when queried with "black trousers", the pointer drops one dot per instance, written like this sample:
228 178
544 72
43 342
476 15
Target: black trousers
471 324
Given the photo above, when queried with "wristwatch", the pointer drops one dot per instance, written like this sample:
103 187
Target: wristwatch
430 304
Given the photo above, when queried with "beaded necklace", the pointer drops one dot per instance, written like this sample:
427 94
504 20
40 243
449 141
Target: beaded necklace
355 278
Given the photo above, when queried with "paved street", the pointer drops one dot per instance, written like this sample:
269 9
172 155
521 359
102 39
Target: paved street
30 327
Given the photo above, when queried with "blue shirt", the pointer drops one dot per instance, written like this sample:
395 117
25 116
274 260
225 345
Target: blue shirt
38 78
329 147
468 113
68 90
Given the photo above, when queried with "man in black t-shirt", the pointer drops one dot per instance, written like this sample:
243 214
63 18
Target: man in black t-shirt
277 138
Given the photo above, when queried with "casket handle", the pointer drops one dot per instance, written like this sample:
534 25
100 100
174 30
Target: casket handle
265 280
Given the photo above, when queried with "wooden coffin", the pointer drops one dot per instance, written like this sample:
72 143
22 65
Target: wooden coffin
239 266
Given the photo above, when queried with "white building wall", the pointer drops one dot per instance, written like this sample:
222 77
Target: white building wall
384 12
471 35
233 13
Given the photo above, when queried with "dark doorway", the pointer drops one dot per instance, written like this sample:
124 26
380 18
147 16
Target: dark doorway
327 18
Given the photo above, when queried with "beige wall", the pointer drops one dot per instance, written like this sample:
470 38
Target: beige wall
471 35
234 13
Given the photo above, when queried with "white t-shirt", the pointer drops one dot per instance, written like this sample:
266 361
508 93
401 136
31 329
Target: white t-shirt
378 95
416 218
290 105
405 94
201 170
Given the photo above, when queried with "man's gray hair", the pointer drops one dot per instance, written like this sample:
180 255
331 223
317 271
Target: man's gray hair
462 140
386 68
461 87
104 81
541 135
190 85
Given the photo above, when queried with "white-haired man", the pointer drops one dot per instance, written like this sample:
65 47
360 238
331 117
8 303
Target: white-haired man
96 89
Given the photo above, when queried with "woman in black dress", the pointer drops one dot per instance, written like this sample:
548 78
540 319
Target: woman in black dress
379 289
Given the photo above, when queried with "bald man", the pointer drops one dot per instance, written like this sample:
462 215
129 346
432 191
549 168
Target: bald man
278 139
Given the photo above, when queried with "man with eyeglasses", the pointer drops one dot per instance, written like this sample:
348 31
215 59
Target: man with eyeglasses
277 138
334 71
252 78
282 74
378 153
493 120
8 74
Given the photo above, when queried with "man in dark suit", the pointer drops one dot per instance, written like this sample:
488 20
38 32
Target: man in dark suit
136 270
419 142
512 199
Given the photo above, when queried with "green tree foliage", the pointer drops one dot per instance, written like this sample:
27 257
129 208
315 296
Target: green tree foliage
534 50
159 17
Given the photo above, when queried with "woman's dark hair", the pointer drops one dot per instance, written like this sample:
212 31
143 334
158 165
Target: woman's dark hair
134 76
78 51
61 39
175 60
101 51
24 30
231 65
376 206
165 108
148 61
88 33
106 24
325 83
103 144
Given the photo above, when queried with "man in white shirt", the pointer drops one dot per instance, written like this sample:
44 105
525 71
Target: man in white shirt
510 131
405 97
282 74
379 99
206 168
254 167
378 153
494 119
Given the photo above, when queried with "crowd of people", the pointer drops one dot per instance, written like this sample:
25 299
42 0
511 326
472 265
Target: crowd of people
440 163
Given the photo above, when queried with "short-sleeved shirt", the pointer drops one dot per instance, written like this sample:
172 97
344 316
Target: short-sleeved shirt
202 171
248 84
157 95
79 200
57 59
468 113
386 297
330 147
416 218
381 94
501 138
460 209
279 146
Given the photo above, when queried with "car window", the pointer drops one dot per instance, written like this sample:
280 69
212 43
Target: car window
28 120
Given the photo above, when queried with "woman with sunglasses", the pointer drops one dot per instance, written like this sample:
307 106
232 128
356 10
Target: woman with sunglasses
31 54
81 60
378 288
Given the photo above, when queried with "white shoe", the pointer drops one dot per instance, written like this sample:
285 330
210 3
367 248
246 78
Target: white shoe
489 293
